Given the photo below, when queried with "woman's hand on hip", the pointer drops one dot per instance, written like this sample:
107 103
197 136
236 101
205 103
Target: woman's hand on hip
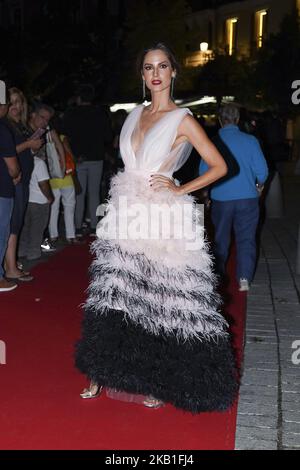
159 182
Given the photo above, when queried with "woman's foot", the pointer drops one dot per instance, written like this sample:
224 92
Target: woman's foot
152 402
20 267
19 275
93 391
6 286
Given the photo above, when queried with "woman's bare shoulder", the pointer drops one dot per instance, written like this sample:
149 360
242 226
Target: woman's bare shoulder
188 121
190 127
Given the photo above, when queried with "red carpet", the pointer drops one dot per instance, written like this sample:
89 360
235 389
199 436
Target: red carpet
39 394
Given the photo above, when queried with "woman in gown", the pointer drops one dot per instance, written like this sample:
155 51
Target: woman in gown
152 324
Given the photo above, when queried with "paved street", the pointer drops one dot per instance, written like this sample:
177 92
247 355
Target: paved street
269 406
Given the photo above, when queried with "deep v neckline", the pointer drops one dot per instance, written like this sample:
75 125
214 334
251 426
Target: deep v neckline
137 124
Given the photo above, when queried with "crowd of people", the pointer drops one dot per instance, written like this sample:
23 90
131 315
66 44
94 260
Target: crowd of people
32 190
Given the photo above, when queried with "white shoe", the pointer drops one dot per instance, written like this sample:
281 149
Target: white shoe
47 247
244 285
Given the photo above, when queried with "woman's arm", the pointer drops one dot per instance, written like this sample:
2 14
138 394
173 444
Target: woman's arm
189 130
24 146
33 144
59 148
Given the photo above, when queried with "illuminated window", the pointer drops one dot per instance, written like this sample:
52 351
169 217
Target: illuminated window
298 6
231 34
261 27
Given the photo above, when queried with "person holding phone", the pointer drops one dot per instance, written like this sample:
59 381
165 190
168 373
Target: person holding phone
26 146
38 134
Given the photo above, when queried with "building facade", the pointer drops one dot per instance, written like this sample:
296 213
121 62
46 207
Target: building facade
236 28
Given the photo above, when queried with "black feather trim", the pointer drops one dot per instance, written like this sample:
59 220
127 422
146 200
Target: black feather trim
104 248
139 283
195 376
153 316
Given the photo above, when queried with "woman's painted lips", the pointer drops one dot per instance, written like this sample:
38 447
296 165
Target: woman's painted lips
156 82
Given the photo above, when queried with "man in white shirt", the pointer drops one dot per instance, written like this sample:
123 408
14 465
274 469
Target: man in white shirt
37 214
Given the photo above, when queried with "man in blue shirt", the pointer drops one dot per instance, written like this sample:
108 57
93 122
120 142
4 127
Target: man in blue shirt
235 200
9 176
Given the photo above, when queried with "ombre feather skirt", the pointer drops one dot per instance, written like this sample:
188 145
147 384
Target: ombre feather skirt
152 321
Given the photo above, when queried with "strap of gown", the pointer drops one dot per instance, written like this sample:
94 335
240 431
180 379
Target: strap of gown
178 155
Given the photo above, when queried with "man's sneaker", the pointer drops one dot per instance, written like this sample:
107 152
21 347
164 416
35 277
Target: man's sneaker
6 286
93 233
47 246
244 285
74 241
79 233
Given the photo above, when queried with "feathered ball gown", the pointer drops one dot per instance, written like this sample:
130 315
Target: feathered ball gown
152 324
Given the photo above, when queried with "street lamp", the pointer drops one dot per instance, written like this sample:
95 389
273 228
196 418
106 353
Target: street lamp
203 46
201 56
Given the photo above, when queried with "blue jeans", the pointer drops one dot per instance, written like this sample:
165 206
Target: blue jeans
6 207
242 215
90 176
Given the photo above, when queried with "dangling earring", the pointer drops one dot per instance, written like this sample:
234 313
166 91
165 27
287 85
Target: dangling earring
144 89
172 86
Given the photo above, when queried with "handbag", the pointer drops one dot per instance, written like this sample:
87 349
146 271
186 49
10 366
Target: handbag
55 169
70 164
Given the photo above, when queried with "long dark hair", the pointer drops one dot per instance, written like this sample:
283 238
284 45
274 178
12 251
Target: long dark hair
161 47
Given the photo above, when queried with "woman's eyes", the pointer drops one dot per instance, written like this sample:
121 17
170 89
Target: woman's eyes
162 66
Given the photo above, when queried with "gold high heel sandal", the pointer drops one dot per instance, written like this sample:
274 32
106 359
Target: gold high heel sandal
92 392
152 402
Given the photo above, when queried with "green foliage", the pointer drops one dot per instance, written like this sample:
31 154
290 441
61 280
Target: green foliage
152 22
263 80
68 55
278 65
225 76
53 53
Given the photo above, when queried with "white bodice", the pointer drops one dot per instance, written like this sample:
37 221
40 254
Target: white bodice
156 153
